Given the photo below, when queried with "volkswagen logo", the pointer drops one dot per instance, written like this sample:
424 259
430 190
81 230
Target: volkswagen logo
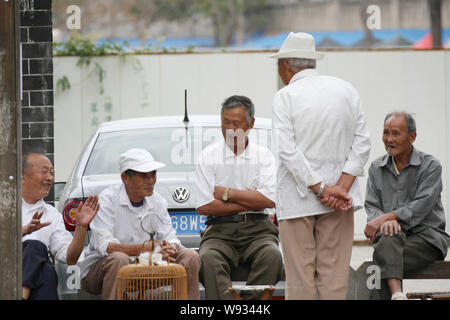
181 194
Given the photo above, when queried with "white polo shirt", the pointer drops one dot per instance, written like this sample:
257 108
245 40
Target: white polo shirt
118 221
253 169
54 236
319 132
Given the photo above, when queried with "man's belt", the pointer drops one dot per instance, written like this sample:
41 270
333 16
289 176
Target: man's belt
239 217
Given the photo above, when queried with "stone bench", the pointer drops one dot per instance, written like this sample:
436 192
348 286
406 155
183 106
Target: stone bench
359 289
362 282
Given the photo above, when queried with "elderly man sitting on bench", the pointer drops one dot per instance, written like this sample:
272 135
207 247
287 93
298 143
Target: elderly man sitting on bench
406 220
236 185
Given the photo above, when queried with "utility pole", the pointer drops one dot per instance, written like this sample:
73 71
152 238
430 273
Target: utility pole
10 153
435 8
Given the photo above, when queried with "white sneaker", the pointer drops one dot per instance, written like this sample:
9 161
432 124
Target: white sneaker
399 296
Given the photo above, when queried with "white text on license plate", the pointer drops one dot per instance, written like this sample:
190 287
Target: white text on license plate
187 222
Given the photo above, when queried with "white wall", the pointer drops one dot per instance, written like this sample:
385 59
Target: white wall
153 85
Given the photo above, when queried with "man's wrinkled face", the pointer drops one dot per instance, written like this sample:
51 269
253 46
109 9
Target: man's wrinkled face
38 177
397 141
141 185
235 127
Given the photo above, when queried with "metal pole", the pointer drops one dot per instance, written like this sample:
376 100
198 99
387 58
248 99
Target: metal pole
10 153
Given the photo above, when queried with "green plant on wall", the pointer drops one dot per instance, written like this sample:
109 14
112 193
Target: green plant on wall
86 48
63 84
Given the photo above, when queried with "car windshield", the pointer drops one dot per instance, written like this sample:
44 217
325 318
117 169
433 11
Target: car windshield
177 147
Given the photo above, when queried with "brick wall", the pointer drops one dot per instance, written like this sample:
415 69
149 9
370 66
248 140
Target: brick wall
37 76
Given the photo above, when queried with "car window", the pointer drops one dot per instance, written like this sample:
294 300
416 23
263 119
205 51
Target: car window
178 148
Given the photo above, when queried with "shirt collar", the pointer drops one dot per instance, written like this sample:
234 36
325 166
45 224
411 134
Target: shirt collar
304 73
125 201
38 204
414 159
248 153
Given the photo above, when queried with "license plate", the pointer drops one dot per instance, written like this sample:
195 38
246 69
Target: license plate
187 222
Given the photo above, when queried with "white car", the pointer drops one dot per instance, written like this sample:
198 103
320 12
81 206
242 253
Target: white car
171 140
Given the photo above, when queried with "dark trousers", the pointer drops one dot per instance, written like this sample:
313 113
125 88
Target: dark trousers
225 246
399 254
38 273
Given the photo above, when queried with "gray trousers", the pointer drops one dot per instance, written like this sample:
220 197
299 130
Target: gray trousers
224 246
399 254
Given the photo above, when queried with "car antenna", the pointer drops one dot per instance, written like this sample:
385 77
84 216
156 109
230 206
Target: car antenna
186 118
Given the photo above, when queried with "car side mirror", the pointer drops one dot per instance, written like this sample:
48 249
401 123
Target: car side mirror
58 188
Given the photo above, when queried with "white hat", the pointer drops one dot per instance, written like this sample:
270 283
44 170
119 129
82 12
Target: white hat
139 160
298 45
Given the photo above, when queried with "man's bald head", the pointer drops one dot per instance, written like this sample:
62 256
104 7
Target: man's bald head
37 177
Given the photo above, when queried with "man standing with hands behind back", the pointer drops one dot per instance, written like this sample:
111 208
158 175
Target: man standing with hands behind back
323 145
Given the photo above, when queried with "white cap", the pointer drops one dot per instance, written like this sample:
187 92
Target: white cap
139 160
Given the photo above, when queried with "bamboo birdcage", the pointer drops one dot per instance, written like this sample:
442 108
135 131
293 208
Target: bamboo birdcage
152 282
141 282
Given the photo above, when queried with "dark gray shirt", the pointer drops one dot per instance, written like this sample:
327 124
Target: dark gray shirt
413 195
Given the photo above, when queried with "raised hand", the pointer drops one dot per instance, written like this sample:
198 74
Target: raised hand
35 224
87 211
